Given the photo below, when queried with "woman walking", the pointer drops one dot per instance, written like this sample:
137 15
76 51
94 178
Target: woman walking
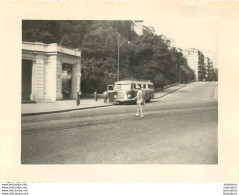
140 101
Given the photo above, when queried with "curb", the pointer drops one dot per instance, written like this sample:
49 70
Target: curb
59 111
74 109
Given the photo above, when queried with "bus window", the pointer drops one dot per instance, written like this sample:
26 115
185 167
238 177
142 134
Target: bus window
144 86
122 86
137 85
110 87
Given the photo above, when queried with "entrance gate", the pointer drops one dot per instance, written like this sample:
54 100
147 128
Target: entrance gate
67 81
26 79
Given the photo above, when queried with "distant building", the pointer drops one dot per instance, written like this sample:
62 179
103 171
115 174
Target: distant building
141 29
195 59
209 69
148 30
137 27
49 72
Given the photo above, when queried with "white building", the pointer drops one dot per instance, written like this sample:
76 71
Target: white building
195 59
49 72
138 27
207 67
192 58
141 29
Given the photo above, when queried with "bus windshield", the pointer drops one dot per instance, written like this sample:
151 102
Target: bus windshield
123 86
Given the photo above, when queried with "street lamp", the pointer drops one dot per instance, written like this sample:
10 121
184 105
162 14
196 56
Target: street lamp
118 57
118 63
78 92
179 73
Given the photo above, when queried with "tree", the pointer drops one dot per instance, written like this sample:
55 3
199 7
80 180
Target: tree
150 59
68 33
147 57
97 74
39 31
101 43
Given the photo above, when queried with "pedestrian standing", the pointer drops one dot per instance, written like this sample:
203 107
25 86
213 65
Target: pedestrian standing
78 98
140 101
105 96
95 94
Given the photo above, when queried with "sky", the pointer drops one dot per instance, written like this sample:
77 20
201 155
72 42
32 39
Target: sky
189 32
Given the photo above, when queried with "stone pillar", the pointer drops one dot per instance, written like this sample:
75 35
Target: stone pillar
73 82
59 95
33 90
45 78
39 77
51 78
78 70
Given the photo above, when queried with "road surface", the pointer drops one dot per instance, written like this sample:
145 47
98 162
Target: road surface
180 128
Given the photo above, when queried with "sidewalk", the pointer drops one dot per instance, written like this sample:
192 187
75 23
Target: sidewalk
70 105
61 106
169 90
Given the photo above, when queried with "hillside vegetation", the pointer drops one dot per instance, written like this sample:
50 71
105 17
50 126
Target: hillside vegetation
148 56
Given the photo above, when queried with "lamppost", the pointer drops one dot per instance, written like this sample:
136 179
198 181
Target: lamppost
118 57
118 62
78 92
179 73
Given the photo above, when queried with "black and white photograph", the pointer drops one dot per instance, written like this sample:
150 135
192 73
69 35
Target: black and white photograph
119 92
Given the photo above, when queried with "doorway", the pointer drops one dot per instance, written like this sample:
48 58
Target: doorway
66 81
26 79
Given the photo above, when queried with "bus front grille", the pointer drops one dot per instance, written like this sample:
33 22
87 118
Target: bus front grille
121 95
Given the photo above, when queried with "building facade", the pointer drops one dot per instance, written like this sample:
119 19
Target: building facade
50 72
141 29
195 59
208 64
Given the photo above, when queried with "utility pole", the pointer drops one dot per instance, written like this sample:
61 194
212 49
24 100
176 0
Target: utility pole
179 73
78 92
119 57
118 62
179 76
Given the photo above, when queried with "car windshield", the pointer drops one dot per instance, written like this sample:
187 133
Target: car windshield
110 87
123 86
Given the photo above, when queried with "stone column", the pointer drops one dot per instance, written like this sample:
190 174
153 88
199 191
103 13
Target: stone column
33 90
59 95
51 78
39 77
73 82
78 70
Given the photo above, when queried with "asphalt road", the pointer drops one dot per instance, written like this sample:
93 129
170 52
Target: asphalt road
180 128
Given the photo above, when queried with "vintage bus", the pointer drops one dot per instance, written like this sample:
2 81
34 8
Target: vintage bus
125 91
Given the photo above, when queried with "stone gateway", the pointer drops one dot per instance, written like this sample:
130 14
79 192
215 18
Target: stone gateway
49 72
